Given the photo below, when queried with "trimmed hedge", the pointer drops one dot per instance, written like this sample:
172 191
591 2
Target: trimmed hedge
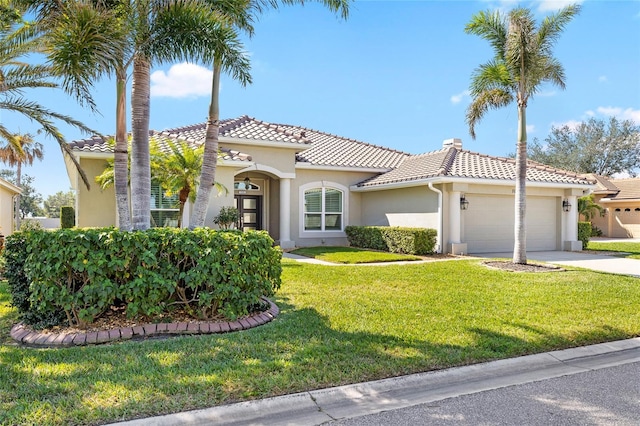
79 274
417 241
584 233
67 217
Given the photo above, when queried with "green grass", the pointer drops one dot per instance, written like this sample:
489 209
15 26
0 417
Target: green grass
338 325
351 255
631 250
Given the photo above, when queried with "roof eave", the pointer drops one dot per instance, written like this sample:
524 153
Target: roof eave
271 144
476 181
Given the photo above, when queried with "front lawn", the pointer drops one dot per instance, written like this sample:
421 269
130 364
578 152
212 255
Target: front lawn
338 325
631 250
351 255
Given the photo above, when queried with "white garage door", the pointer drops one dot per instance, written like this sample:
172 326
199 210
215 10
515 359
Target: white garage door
489 221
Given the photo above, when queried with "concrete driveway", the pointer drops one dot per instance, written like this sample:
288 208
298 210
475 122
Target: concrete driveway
595 262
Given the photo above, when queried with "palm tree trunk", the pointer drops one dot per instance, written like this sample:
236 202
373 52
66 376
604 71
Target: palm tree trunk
121 156
17 204
140 162
210 155
520 230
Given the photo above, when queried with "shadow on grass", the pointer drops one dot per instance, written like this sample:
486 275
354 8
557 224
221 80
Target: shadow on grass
298 351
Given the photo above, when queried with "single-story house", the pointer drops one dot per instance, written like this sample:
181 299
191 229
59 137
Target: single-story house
620 199
8 192
305 186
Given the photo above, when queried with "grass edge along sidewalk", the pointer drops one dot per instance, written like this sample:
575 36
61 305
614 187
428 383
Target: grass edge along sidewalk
337 326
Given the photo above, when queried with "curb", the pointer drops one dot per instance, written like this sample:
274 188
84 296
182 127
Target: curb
343 402
31 338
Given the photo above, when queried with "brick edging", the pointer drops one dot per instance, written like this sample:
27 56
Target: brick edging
31 338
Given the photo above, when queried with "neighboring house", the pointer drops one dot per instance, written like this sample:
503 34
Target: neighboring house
621 200
8 192
304 186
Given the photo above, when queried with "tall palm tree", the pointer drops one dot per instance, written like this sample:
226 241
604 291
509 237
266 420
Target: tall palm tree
523 60
16 75
130 35
19 150
228 59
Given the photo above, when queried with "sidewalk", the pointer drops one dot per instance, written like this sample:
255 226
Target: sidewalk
320 406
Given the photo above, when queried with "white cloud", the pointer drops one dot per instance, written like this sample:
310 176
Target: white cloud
623 114
555 5
603 79
182 81
456 99
531 128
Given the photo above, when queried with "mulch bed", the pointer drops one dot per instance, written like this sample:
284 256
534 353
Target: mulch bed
517 267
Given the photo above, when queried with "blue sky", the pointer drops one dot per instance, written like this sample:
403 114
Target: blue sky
395 74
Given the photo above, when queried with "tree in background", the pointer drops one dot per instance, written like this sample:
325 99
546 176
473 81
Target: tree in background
523 60
30 200
54 202
594 146
19 150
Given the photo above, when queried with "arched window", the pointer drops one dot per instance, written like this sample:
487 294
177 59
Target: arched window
323 207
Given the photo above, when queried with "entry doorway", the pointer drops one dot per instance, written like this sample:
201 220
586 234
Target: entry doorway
250 211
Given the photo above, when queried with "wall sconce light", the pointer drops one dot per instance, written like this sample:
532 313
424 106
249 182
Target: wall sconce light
464 203
566 206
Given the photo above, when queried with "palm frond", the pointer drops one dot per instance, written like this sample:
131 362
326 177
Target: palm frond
491 27
488 99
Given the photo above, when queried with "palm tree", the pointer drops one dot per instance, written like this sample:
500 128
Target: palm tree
93 38
16 76
523 61
228 59
588 208
20 149
177 171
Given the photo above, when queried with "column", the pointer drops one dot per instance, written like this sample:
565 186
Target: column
285 214
454 217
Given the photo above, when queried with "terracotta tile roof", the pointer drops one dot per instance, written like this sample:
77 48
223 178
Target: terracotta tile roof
332 150
459 163
324 149
97 144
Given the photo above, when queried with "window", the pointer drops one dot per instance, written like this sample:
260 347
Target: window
164 209
323 209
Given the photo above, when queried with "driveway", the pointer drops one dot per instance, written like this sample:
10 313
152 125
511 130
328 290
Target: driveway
595 262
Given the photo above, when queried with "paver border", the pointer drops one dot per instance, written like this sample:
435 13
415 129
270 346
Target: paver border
37 339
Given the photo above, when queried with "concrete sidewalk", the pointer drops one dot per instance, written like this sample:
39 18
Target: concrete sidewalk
586 260
320 406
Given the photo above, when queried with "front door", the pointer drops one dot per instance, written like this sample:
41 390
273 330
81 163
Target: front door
250 210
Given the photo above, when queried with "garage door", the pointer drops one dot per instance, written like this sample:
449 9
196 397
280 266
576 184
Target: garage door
489 222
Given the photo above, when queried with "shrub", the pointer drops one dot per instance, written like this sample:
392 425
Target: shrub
227 218
80 273
67 217
417 241
30 225
15 255
584 233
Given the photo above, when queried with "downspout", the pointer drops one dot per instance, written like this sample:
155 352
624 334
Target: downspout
439 237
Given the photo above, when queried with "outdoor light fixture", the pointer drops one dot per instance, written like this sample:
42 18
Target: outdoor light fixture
566 206
464 203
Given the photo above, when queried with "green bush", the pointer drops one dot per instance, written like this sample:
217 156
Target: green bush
417 241
15 255
78 274
67 217
227 218
584 233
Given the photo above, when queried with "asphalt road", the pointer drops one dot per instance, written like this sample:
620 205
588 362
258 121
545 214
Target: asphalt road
609 396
